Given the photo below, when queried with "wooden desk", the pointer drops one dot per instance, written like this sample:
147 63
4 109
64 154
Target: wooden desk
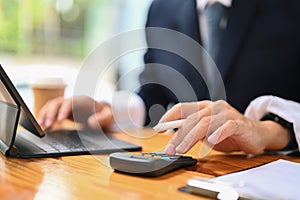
89 177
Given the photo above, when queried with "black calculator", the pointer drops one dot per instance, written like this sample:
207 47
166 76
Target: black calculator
149 163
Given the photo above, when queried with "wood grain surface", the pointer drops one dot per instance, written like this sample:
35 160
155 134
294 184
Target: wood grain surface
90 177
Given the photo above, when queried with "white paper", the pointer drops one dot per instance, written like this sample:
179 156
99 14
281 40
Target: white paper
276 180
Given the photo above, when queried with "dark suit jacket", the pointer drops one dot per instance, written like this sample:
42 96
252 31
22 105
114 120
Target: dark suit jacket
259 54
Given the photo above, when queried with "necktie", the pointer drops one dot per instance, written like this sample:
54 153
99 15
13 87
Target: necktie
214 15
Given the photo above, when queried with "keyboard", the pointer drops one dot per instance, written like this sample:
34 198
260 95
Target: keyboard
70 142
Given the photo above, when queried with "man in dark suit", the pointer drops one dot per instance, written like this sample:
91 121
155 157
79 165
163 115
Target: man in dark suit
258 53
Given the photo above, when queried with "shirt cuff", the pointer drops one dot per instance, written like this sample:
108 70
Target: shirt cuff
129 111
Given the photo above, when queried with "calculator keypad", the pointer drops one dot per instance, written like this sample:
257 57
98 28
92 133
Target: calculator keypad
158 155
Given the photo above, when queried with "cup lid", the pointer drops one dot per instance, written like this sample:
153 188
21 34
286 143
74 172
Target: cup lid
48 82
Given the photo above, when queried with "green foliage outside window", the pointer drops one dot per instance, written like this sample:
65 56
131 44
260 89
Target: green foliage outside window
45 26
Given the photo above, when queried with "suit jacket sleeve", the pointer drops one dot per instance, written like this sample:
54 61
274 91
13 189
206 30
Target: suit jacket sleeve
167 77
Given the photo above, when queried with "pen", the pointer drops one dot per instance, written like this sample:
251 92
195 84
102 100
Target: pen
168 125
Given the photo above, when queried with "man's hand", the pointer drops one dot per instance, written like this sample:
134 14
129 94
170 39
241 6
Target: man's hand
224 127
81 109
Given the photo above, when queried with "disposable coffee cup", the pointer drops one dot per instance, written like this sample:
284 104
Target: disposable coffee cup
45 89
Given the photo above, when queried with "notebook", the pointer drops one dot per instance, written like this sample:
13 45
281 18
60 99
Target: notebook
34 142
279 179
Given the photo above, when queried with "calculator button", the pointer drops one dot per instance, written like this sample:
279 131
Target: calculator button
174 157
165 158
139 157
160 153
158 157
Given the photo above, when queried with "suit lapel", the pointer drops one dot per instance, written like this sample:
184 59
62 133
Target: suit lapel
239 20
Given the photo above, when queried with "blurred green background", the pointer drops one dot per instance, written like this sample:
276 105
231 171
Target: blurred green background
52 33
54 27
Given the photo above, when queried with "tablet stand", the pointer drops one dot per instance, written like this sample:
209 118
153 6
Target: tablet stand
9 120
